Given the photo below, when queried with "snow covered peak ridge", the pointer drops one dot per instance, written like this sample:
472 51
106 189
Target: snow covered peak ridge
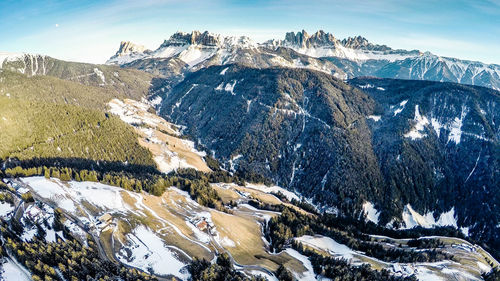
11 57
192 48
207 39
128 52
322 44
194 38
28 64
127 47
303 40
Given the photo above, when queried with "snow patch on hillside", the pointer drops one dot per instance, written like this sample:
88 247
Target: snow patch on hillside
9 270
307 275
100 74
223 72
375 118
8 57
412 218
147 251
195 54
327 244
399 108
456 127
370 212
5 209
417 131
61 193
274 189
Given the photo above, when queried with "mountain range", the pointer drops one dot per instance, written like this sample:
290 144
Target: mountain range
218 158
345 59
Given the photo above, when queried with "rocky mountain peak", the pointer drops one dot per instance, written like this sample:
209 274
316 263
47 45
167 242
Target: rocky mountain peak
304 40
360 42
194 38
127 47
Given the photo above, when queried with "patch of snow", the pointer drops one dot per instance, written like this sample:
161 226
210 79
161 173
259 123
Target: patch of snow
274 189
400 108
338 50
424 274
225 241
10 270
448 218
416 131
412 218
100 195
29 234
5 209
230 87
106 197
483 267
307 275
148 252
156 101
327 244
375 118
436 126
223 72
100 74
200 235
51 235
8 57
52 190
169 51
465 230
370 212
456 127
195 54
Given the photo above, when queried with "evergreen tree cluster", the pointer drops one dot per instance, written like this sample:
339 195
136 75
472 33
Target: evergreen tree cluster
340 269
291 223
221 270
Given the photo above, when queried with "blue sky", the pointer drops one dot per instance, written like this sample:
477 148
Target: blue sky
90 31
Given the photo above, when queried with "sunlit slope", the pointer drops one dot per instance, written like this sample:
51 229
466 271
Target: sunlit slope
46 117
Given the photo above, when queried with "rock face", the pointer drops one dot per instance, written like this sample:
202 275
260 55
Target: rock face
304 40
347 58
195 37
183 53
127 47
392 142
360 42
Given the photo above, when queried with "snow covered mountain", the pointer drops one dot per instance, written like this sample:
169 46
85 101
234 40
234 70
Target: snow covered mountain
186 52
347 58
322 44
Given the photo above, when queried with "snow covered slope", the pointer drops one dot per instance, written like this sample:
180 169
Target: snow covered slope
170 151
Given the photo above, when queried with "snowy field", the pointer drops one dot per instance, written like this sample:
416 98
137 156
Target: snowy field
11 271
439 271
147 251
5 209
159 136
274 189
